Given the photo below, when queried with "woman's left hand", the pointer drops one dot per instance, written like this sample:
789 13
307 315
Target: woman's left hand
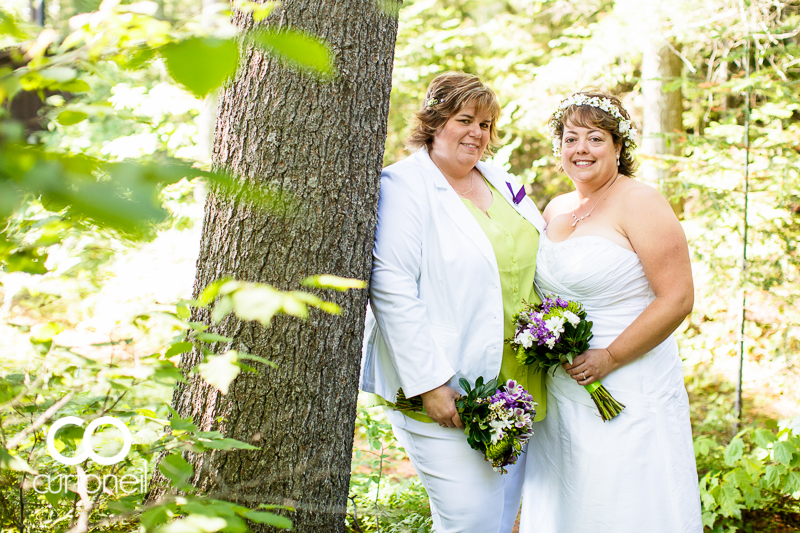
591 366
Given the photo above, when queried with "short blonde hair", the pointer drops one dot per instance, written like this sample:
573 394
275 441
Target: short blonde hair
446 96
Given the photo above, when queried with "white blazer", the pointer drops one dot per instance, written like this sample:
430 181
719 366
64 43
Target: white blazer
436 304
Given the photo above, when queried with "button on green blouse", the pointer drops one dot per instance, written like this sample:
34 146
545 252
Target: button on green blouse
515 242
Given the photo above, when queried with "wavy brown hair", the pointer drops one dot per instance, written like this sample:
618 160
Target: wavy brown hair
587 116
447 95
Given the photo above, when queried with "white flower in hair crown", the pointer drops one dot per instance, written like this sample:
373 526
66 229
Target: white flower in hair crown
626 129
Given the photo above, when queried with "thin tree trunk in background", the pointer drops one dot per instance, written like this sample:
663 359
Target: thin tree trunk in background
662 117
321 142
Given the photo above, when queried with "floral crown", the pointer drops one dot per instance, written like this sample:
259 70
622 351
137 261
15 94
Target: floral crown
626 129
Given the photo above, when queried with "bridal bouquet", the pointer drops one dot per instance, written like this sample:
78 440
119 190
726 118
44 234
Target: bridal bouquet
498 420
555 332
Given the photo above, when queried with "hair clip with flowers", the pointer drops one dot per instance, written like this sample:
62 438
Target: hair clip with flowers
432 101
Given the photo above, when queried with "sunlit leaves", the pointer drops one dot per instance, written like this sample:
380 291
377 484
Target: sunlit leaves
298 49
68 118
260 302
201 64
9 26
220 370
326 281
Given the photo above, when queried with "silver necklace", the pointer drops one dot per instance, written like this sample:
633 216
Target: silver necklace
472 172
576 219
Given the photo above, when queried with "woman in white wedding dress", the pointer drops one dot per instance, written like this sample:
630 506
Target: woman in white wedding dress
614 245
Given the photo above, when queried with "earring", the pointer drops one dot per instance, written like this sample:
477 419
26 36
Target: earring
617 161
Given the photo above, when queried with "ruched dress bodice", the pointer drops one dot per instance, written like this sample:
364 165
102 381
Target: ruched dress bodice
635 472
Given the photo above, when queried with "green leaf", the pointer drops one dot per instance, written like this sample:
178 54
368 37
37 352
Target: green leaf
194 524
157 515
702 445
47 331
228 444
212 337
792 482
274 520
259 302
257 358
764 437
220 370
74 86
298 49
325 281
68 118
178 348
201 64
176 468
729 498
12 462
180 424
772 477
59 74
734 450
782 452
709 518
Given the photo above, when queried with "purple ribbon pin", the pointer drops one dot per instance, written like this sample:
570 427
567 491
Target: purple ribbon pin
516 196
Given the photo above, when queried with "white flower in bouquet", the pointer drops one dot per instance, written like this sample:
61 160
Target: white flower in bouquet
572 318
525 338
556 326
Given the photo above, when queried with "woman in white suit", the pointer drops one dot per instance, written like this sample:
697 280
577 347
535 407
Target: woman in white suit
454 258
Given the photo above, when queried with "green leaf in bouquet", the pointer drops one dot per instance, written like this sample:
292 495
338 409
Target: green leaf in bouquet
464 384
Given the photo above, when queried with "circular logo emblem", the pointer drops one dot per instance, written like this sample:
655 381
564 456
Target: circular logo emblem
85 448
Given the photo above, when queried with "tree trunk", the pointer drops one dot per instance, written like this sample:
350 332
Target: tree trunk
322 143
662 117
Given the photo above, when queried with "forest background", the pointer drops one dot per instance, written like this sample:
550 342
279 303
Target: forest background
87 298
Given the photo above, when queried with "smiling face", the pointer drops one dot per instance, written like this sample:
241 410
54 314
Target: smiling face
588 154
464 138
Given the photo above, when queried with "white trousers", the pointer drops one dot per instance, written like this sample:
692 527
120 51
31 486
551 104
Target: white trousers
466 494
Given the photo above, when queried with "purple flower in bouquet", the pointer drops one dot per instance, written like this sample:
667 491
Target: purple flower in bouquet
553 333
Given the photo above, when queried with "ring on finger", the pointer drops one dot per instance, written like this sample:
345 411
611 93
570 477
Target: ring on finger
583 376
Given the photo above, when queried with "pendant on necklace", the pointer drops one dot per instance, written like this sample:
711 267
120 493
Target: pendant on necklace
578 219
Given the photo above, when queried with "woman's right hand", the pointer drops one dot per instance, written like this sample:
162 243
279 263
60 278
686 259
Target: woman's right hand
440 405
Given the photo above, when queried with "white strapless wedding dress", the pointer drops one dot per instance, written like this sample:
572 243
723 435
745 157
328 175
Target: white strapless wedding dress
635 473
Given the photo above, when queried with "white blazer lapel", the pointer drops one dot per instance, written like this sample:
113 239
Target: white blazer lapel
455 208
499 179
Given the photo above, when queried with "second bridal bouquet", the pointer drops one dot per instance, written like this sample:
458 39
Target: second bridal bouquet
498 421
555 332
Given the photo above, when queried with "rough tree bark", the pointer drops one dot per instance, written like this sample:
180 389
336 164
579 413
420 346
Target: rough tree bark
321 142
662 115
